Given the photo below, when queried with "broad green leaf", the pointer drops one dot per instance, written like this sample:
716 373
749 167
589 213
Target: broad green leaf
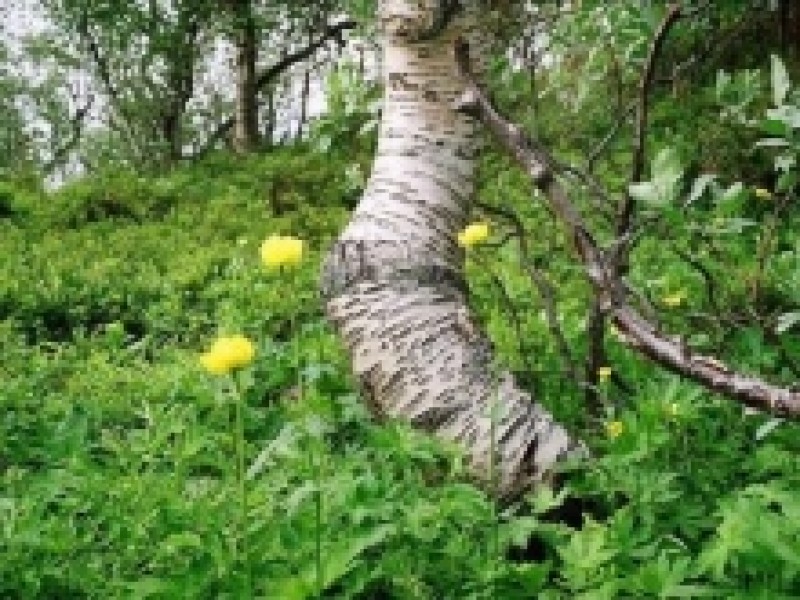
644 192
733 193
774 127
787 179
341 559
667 166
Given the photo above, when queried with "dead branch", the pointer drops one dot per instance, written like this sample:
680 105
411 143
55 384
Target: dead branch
625 212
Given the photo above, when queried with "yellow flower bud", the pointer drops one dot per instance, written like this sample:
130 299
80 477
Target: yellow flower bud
614 429
279 251
604 373
227 354
214 363
473 234
673 300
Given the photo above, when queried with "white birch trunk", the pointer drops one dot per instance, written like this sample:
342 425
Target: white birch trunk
394 280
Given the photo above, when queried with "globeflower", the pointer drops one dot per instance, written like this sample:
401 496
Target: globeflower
614 429
473 234
227 354
604 373
673 300
279 251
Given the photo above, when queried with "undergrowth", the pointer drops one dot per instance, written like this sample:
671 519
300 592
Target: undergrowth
116 469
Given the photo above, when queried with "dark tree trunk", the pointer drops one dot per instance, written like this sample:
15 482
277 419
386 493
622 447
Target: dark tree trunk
245 137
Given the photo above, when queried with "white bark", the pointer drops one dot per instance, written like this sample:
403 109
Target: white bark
394 280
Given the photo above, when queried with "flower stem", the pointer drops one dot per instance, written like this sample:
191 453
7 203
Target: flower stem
240 479
318 528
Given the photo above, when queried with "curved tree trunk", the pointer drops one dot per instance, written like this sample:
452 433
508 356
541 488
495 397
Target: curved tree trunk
393 282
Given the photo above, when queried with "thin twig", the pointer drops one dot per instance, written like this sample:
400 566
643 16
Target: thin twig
627 204
545 289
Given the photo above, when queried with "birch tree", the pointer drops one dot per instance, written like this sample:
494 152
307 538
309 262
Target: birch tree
394 281
394 284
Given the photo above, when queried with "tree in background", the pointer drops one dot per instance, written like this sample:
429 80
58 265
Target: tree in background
147 60
16 148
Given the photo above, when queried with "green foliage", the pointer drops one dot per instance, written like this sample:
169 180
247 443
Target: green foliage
117 468
116 456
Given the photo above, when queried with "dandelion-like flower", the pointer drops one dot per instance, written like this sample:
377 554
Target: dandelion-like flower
280 251
763 194
227 354
473 234
604 373
673 300
614 429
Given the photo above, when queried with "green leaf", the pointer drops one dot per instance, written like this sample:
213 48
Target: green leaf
786 114
644 192
342 559
774 127
780 81
666 172
767 428
667 166
788 179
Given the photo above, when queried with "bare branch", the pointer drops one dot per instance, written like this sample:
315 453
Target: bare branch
76 124
627 204
639 334
597 317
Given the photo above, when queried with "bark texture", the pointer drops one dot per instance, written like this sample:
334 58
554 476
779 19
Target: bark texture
394 284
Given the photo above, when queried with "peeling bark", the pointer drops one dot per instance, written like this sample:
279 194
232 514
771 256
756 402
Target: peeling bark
394 283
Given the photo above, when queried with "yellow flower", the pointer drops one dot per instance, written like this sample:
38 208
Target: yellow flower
227 354
604 373
614 429
473 234
279 251
763 194
673 300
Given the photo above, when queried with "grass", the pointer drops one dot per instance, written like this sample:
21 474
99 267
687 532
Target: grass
119 475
